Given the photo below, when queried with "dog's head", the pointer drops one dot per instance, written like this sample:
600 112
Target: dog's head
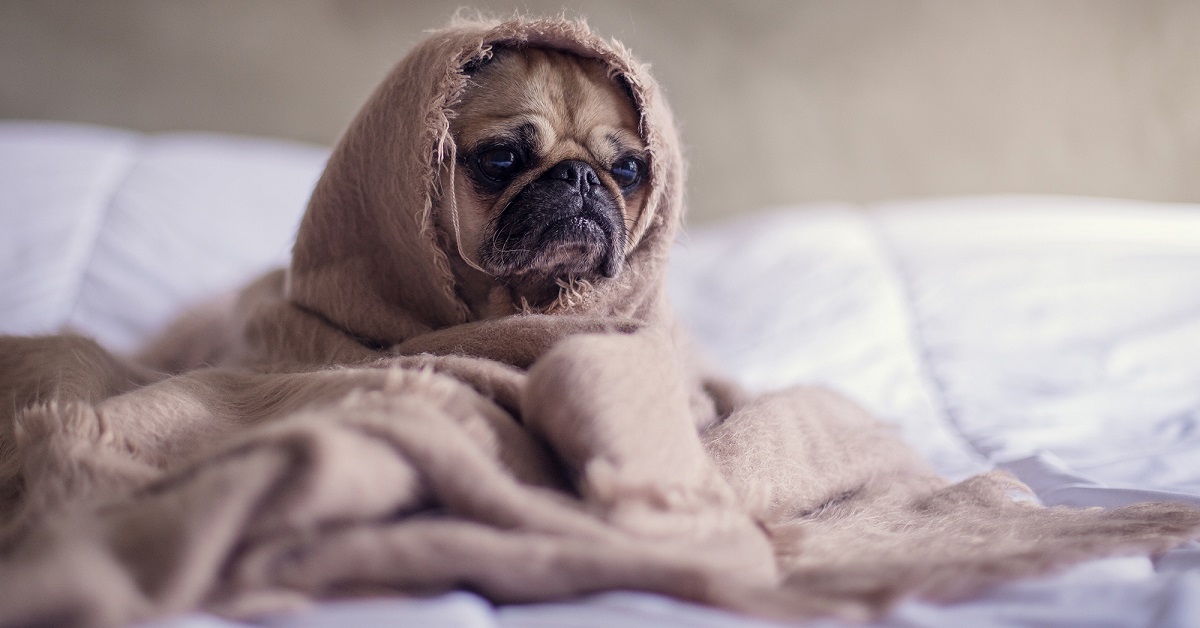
485 172
550 172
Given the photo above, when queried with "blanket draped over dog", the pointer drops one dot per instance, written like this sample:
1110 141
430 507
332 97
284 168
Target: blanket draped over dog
362 435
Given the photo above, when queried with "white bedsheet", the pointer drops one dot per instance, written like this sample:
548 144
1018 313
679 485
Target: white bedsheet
1056 337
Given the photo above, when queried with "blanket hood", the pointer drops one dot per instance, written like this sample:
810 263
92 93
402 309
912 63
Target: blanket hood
367 258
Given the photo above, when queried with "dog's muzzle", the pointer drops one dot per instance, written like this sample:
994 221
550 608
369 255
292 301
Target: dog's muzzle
565 222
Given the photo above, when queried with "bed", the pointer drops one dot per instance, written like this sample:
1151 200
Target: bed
1055 337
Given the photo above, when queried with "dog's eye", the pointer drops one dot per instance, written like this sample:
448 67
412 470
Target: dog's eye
499 164
627 172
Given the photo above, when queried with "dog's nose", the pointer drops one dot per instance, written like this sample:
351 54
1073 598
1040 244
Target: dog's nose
577 173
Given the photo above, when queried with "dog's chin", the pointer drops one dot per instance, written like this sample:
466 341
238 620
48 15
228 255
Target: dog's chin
575 248
578 245
534 260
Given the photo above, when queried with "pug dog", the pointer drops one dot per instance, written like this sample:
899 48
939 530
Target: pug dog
548 176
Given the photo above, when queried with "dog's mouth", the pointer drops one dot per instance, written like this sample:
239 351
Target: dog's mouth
582 245
554 230
579 246
575 230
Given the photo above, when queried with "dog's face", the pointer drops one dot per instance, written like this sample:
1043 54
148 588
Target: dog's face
550 173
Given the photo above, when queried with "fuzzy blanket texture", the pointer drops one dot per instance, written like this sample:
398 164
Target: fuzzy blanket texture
359 434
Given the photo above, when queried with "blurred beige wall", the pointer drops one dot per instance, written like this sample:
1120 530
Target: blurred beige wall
780 102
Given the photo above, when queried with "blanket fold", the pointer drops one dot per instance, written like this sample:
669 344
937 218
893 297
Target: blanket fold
344 428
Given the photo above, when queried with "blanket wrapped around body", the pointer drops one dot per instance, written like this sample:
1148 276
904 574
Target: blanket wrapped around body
347 428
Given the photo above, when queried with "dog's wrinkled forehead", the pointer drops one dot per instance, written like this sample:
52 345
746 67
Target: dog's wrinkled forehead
524 95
